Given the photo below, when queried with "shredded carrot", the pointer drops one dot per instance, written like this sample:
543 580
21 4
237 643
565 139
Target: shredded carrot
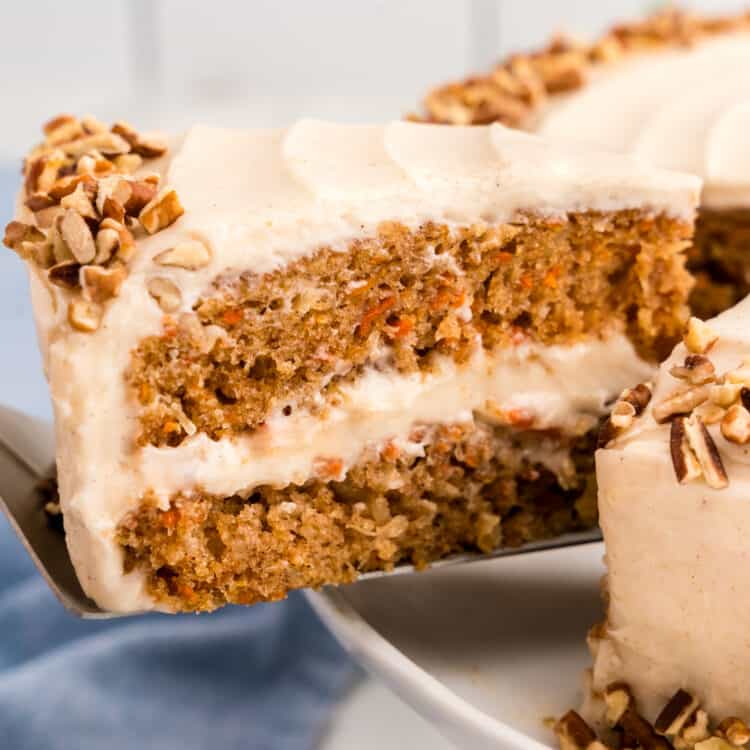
519 418
550 278
391 451
170 518
169 427
232 317
504 257
328 468
526 281
371 314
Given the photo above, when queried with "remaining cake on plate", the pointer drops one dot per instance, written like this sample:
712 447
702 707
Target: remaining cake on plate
279 358
672 89
673 482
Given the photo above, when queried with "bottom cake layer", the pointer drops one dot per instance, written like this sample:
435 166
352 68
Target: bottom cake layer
449 488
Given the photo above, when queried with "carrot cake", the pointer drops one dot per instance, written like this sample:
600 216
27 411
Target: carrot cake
669 659
279 358
673 89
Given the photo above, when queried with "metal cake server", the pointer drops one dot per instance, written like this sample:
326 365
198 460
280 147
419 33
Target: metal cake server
27 459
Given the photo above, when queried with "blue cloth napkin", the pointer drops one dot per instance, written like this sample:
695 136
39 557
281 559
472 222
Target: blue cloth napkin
257 678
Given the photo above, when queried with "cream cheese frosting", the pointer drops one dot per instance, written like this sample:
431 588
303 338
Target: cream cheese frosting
261 199
686 109
677 557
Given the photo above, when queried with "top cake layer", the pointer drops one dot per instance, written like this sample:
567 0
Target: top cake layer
672 89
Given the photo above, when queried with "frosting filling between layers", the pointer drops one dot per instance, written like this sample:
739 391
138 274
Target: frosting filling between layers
540 388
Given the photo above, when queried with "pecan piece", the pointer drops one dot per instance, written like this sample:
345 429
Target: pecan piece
699 336
84 316
705 450
17 233
164 209
617 698
77 236
165 292
101 284
191 254
735 730
573 733
637 727
682 401
65 274
677 711
735 426
686 466
639 397
697 370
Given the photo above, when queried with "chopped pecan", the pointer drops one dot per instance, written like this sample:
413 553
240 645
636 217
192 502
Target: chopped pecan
725 394
696 370
190 254
735 730
639 397
39 201
84 316
617 698
80 202
686 466
101 284
17 233
637 727
735 426
573 733
164 209
682 401
705 450
65 274
165 292
109 144
77 236
148 147
699 336
677 711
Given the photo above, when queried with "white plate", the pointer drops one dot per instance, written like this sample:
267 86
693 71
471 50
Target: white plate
485 651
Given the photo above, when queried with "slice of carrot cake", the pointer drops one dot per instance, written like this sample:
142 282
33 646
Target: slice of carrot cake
673 89
279 358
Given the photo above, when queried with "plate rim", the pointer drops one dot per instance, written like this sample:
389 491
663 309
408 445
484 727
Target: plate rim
451 713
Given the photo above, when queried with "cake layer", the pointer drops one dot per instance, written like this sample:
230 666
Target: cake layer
204 339
718 258
442 489
673 491
291 339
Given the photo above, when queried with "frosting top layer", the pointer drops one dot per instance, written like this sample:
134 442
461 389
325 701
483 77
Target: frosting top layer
317 178
685 109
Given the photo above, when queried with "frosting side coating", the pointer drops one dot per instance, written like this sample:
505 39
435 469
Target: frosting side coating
677 554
